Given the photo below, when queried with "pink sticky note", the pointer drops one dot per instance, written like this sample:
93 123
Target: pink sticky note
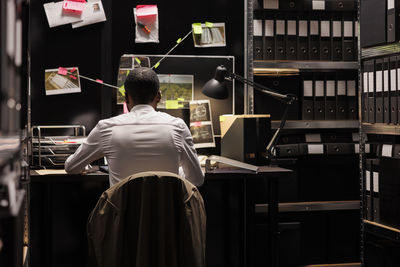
125 108
146 10
73 69
99 81
72 76
197 123
146 14
73 6
62 71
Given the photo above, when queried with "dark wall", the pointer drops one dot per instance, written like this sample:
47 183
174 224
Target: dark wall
67 47
96 50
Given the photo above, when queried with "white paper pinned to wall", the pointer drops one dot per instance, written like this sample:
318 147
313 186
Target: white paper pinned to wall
56 16
93 13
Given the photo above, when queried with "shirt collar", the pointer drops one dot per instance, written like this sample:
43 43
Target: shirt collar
142 107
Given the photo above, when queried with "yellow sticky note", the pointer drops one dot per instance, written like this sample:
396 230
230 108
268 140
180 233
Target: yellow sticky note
122 90
197 28
157 64
222 118
179 40
180 105
171 104
181 99
138 60
209 24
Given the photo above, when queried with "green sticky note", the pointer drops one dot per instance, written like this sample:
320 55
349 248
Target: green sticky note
157 64
138 60
209 24
179 40
171 104
122 90
197 28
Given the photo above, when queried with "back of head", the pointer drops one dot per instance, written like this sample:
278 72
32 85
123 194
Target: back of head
142 85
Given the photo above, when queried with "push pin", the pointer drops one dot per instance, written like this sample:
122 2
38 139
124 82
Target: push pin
144 28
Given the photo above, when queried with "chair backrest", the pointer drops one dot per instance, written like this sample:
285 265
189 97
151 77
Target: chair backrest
149 219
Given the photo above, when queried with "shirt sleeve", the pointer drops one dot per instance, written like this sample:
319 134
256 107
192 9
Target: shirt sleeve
88 152
189 161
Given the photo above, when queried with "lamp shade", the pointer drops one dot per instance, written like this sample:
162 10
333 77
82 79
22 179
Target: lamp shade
216 87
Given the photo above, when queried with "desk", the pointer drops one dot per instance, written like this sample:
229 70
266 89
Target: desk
59 208
250 181
61 204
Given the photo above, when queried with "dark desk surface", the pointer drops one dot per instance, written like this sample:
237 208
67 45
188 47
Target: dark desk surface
262 170
231 172
93 176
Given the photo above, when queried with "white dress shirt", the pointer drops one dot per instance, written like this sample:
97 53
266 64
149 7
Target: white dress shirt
141 140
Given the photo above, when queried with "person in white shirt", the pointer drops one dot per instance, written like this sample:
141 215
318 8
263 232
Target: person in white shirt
141 140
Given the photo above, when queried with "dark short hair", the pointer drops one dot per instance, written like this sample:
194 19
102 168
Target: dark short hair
142 85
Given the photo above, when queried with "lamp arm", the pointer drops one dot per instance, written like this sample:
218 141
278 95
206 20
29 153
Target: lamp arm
289 99
275 137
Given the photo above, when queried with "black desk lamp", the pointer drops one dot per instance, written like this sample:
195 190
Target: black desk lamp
216 88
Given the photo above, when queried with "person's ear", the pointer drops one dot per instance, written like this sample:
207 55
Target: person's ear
126 97
158 96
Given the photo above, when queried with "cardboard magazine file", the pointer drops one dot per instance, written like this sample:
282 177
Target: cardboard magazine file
245 137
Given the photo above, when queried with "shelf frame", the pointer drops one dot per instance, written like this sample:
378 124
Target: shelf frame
378 51
382 230
317 124
304 66
312 206
380 128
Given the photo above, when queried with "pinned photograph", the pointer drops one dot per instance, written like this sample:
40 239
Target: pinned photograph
201 125
202 134
126 62
96 7
200 111
56 83
131 61
177 89
141 62
209 34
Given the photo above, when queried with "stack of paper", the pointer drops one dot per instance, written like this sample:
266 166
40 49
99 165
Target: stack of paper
93 12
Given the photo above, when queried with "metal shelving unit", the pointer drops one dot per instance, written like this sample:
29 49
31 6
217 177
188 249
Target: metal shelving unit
382 230
9 149
312 206
304 66
381 128
13 83
273 68
376 229
382 50
318 124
